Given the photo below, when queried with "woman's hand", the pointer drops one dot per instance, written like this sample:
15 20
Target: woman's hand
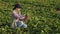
26 18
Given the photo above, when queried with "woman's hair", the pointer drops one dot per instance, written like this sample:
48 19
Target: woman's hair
16 6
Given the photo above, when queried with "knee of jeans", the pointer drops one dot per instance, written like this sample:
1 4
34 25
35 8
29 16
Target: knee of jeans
25 26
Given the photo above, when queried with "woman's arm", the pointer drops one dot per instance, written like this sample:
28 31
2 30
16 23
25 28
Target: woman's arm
18 16
21 17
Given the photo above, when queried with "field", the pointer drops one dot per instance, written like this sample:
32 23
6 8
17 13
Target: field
44 18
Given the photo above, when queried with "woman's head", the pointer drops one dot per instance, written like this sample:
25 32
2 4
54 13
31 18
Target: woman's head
17 7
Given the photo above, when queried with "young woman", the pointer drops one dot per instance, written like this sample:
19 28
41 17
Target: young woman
18 19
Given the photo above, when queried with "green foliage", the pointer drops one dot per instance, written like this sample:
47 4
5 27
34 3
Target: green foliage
43 16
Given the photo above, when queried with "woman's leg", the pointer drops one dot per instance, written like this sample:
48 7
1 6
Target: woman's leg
24 26
21 25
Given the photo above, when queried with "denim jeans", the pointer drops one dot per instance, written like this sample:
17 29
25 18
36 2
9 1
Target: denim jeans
21 24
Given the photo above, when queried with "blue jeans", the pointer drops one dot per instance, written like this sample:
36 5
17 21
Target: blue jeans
21 24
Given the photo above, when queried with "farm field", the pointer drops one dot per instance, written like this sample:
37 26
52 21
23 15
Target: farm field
44 18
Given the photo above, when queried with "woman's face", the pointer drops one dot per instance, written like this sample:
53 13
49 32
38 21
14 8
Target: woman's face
18 9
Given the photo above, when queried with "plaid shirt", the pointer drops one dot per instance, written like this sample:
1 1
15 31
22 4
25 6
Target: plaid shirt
17 15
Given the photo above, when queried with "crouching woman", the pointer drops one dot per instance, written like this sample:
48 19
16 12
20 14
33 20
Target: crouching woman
18 20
